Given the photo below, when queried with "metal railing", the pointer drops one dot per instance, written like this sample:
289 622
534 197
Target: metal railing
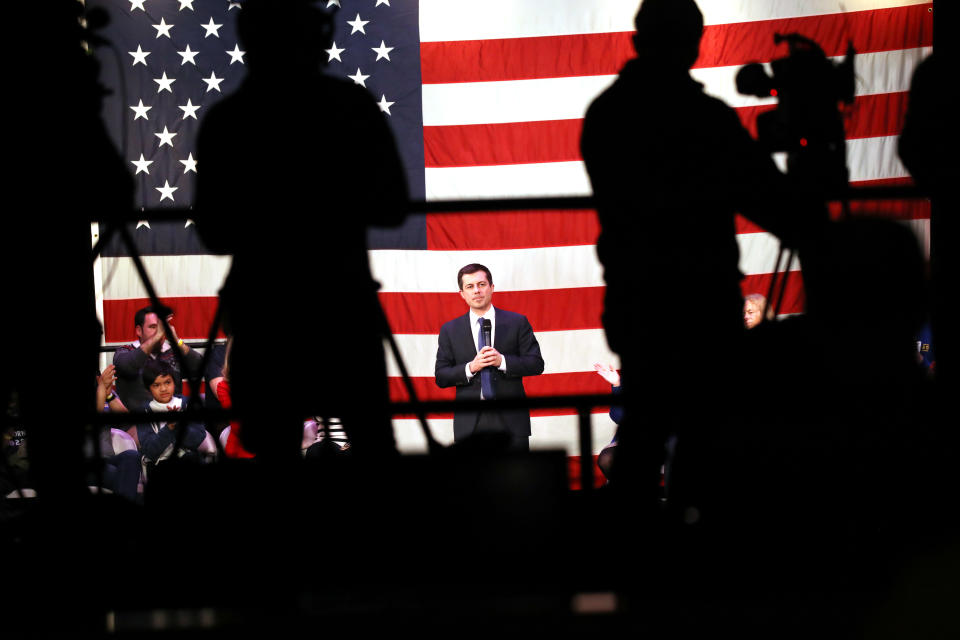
582 404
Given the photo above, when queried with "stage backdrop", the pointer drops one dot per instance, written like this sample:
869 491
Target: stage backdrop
486 100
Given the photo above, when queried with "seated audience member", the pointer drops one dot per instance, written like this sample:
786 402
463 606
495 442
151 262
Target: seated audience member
322 438
121 460
925 356
219 387
213 371
151 344
611 375
755 310
158 437
607 456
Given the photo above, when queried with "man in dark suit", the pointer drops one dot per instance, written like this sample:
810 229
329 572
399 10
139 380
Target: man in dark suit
482 371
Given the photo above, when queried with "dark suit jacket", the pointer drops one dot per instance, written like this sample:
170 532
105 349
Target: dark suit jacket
514 340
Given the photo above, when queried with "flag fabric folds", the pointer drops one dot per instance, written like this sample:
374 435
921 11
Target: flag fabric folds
486 100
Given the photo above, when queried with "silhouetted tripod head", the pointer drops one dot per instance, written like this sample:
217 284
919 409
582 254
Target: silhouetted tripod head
807 122
285 37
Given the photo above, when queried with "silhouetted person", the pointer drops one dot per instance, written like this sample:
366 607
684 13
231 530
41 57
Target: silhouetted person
848 446
927 147
296 166
669 167
50 324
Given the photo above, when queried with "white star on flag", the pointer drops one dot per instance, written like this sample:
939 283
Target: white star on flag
142 223
164 82
189 109
334 53
233 5
380 2
166 191
212 29
383 51
139 56
188 56
163 29
359 78
384 105
166 137
213 82
137 4
141 110
186 3
357 25
142 165
236 55
189 164
188 223
331 3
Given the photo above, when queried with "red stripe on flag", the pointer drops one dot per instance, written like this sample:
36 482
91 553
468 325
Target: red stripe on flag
913 209
509 143
511 229
192 317
746 226
559 140
549 384
522 230
425 313
588 54
722 45
869 116
891 209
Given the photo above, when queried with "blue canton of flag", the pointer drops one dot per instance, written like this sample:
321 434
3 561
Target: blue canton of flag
176 59
179 57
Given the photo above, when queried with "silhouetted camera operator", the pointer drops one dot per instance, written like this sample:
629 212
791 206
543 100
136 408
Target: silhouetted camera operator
670 166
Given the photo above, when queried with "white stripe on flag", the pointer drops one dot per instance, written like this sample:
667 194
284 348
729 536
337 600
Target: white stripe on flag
413 271
172 276
445 20
868 159
874 159
507 181
516 269
549 432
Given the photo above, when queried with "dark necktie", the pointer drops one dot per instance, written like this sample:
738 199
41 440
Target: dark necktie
486 376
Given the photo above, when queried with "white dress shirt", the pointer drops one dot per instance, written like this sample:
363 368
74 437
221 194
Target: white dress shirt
490 315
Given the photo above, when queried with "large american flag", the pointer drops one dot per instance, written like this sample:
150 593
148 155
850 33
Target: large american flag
486 100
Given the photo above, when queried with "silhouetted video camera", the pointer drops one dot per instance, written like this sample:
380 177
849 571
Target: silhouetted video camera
808 120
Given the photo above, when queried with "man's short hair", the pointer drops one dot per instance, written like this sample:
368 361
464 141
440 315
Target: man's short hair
473 268
141 315
154 369
669 27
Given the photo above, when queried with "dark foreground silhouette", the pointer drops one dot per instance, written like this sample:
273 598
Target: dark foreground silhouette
290 193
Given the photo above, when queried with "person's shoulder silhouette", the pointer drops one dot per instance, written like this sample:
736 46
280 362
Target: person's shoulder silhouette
293 142
294 167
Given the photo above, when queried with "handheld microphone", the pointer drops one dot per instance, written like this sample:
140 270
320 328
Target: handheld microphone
487 330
